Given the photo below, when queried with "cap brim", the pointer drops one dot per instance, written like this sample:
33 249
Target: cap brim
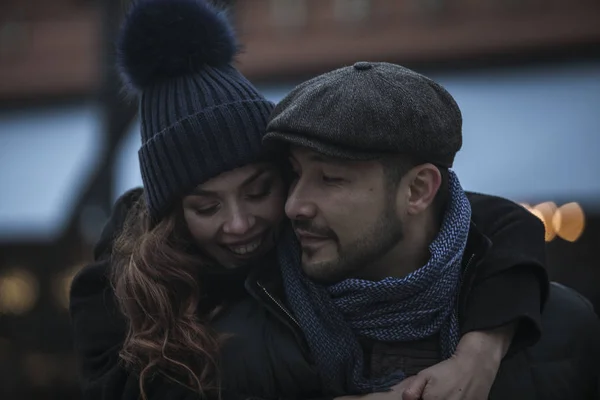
279 141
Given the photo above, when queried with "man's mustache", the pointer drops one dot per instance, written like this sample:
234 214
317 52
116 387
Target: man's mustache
307 226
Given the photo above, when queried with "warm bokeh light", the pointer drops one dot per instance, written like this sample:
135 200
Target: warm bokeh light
569 221
19 291
546 211
566 222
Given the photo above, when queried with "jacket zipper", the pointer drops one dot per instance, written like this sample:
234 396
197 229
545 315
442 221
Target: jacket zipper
278 303
298 333
462 281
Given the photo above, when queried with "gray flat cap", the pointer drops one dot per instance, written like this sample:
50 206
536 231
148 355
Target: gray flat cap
369 110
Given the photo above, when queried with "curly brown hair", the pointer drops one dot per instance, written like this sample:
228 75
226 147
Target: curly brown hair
155 278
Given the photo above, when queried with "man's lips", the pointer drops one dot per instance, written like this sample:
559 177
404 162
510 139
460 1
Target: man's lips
310 238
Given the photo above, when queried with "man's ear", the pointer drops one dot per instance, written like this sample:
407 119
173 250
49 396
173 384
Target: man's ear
423 183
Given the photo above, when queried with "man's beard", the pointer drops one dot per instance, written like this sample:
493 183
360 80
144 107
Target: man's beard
353 257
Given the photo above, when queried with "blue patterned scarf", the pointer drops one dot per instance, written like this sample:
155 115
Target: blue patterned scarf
391 310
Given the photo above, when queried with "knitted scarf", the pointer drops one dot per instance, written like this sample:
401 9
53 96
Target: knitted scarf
391 310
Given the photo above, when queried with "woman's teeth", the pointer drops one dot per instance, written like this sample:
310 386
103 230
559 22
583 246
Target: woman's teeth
245 249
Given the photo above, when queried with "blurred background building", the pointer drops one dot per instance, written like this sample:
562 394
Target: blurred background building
526 74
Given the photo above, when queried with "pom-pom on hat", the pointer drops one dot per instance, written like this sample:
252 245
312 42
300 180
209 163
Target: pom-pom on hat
199 116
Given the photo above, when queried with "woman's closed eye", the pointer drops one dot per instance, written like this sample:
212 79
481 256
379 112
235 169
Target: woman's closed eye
206 210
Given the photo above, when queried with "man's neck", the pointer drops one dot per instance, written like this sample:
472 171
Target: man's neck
408 255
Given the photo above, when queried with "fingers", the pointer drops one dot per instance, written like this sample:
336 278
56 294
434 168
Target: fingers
414 391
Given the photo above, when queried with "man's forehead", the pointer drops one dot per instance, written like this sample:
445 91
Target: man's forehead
304 155
300 153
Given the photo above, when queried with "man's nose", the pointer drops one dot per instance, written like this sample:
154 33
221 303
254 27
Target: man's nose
299 205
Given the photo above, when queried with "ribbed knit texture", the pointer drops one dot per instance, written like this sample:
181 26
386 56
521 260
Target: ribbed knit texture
195 127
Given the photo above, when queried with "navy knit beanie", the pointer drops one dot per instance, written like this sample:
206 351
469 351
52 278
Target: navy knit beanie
199 116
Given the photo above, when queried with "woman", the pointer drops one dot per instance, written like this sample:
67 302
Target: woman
197 307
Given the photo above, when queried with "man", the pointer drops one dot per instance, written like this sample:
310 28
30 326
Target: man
379 296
